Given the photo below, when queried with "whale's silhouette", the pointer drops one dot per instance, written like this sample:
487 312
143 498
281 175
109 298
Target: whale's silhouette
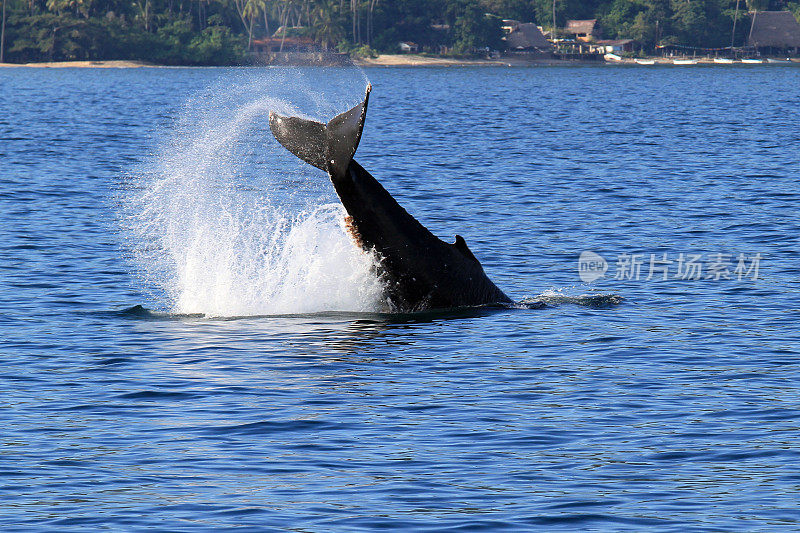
421 271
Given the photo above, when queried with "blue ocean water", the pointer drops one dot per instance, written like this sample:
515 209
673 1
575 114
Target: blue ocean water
190 341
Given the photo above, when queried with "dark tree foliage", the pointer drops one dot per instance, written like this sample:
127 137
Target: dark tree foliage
206 32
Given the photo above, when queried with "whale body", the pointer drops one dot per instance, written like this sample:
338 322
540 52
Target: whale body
420 271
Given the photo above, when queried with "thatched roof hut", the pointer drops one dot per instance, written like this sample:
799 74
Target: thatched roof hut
525 36
583 30
774 29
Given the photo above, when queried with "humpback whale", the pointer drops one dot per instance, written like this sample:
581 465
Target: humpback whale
420 271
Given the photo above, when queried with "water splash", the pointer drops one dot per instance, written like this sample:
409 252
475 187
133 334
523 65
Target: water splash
224 222
561 296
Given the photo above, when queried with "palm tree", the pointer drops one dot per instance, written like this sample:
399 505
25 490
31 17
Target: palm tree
286 10
327 27
240 7
354 11
144 11
733 31
372 5
250 11
3 33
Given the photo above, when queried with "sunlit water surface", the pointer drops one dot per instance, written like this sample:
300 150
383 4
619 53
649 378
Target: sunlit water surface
191 341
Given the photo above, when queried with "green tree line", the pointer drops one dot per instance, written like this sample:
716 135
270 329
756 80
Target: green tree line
221 32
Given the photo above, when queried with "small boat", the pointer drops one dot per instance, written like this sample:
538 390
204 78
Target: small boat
778 61
684 61
612 57
723 60
645 61
751 61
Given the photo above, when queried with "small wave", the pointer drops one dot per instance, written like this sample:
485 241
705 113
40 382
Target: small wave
556 298
141 312
269 427
544 300
157 395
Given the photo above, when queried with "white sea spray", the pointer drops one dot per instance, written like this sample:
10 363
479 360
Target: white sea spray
222 221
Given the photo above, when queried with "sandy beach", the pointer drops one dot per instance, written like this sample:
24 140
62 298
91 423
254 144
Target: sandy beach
383 60
416 60
82 64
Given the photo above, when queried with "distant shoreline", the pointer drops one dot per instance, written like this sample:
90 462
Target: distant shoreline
699 60
81 64
383 60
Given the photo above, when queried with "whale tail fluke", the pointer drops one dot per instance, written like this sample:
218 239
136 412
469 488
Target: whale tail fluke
304 138
330 146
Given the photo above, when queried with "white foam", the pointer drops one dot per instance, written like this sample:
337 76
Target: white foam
223 222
